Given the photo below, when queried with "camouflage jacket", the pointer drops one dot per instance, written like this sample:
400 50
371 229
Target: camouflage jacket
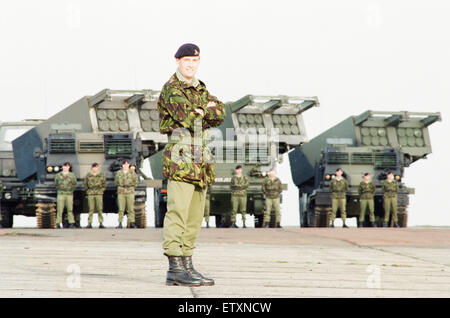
390 189
239 186
94 184
126 182
272 189
188 161
366 190
339 188
65 183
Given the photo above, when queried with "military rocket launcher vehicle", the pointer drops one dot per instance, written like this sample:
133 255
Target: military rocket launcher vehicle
16 197
375 142
106 128
256 130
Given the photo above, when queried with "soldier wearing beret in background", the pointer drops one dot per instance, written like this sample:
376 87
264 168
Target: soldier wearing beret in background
186 107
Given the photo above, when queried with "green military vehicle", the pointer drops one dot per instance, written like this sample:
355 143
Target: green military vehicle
16 198
375 142
256 130
105 128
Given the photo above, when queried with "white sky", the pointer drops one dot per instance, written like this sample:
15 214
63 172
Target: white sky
354 55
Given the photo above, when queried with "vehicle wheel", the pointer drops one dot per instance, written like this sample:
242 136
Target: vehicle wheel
160 207
259 219
7 218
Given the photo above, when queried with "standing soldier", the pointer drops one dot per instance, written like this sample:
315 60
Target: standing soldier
338 189
186 109
366 199
1 192
95 185
390 191
126 181
65 183
207 208
272 189
239 185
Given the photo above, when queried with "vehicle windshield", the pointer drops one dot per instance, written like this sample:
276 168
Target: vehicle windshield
9 133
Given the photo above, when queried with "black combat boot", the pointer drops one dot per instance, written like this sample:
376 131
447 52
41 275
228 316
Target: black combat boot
207 225
71 226
189 267
360 224
385 224
279 225
89 226
244 226
373 224
101 226
58 226
344 225
267 225
332 224
234 226
119 226
1 226
396 224
133 225
177 275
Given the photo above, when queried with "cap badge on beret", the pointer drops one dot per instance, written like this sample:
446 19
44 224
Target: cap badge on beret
187 49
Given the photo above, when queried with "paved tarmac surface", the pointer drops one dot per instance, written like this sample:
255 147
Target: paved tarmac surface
287 262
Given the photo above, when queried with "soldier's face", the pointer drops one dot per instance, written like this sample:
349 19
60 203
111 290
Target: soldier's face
238 172
390 177
126 166
271 173
66 168
188 66
367 178
95 169
338 173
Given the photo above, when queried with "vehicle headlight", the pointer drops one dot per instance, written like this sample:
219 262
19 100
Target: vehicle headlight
8 195
56 168
327 177
397 177
49 169
133 168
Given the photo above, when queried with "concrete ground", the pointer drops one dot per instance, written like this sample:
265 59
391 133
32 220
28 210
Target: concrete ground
287 262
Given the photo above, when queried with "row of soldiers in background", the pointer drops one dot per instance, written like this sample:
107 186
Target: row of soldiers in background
339 188
126 181
271 189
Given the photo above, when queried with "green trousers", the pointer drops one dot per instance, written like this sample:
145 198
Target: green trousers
275 205
64 201
238 203
207 210
126 202
364 203
388 203
183 220
340 204
95 202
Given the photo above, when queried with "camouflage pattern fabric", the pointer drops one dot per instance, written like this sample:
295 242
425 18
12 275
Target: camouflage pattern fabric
126 182
239 186
366 190
95 184
65 183
390 189
338 188
187 159
272 189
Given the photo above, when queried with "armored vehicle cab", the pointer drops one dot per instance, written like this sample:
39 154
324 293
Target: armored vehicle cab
374 142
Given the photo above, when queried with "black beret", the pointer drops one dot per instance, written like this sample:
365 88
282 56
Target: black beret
187 49
238 167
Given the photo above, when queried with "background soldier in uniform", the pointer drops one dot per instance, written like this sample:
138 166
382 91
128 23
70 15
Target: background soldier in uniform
65 183
186 110
1 192
366 199
338 188
390 191
272 189
239 185
95 185
126 181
